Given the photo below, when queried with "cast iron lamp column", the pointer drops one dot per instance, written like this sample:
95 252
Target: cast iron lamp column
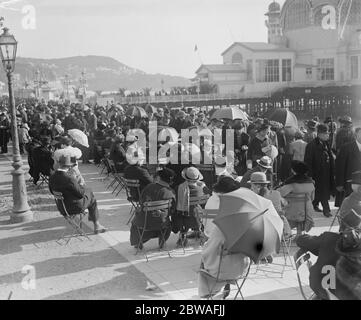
21 211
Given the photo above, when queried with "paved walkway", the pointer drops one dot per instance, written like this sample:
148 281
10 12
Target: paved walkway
107 267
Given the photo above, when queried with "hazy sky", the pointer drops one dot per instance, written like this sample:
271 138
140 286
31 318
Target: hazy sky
156 36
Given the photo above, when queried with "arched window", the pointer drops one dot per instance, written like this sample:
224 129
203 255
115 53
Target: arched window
237 58
297 15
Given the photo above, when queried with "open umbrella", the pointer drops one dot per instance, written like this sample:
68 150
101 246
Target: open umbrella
250 224
231 113
284 116
135 111
150 108
79 137
119 107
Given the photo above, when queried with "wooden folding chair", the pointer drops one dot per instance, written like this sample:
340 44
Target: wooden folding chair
135 185
71 219
217 280
152 209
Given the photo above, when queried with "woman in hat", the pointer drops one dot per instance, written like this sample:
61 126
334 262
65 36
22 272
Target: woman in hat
185 217
299 192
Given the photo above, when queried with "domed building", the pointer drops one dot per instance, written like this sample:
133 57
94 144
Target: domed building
311 43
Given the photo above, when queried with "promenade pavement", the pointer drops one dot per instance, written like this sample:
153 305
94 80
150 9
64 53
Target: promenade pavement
106 266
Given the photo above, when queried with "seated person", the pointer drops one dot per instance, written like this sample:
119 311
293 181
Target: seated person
299 209
324 247
261 186
67 149
185 217
263 165
76 197
348 267
233 265
136 171
353 201
159 190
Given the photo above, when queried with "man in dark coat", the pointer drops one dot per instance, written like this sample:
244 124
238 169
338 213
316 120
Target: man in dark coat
76 198
345 134
321 163
42 159
348 161
4 132
325 248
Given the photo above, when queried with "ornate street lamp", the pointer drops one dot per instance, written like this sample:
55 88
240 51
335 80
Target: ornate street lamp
21 210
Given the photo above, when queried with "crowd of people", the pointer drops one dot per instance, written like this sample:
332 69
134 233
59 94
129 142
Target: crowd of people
296 168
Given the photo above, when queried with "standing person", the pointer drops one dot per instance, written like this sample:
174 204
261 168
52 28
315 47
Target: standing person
241 141
24 137
348 161
4 132
321 163
259 145
311 133
297 148
345 134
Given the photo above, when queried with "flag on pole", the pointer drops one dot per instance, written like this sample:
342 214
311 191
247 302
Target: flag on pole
196 48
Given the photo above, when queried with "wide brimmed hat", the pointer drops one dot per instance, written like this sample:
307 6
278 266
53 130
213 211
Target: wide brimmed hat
192 174
265 162
259 178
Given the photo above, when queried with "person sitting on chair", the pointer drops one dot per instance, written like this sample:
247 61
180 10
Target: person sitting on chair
352 202
68 150
325 248
76 198
136 171
232 266
159 190
263 165
185 217
299 213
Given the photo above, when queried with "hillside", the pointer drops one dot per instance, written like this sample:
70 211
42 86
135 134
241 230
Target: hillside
102 73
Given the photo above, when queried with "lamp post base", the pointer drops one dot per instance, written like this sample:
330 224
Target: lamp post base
23 217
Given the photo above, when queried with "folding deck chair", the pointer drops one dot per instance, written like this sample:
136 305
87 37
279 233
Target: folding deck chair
135 184
75 221
217 280
153 222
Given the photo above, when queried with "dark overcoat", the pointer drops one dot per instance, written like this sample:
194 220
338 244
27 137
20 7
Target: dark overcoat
321 163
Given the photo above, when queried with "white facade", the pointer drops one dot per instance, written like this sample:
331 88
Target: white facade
300 52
